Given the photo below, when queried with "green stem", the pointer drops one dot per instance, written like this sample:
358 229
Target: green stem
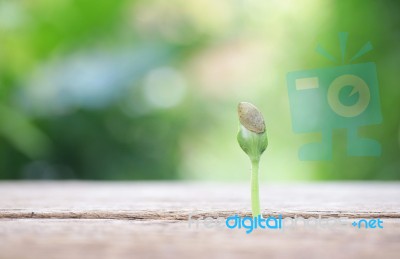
255 197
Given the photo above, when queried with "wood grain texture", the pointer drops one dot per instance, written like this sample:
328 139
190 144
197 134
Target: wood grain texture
149 220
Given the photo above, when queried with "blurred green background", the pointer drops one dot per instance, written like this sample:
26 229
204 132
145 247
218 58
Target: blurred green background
148 89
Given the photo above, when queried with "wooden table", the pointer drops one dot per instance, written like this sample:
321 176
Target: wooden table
150 220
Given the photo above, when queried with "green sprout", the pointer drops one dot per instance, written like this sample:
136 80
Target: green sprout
252 138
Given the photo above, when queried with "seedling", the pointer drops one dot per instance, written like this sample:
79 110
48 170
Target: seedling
252 138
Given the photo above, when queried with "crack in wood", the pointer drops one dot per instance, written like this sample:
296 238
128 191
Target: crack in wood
184 215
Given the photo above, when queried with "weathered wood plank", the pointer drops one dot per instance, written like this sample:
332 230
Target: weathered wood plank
174 201
149 220
69 238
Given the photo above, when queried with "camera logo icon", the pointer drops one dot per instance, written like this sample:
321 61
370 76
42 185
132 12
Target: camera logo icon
340 97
